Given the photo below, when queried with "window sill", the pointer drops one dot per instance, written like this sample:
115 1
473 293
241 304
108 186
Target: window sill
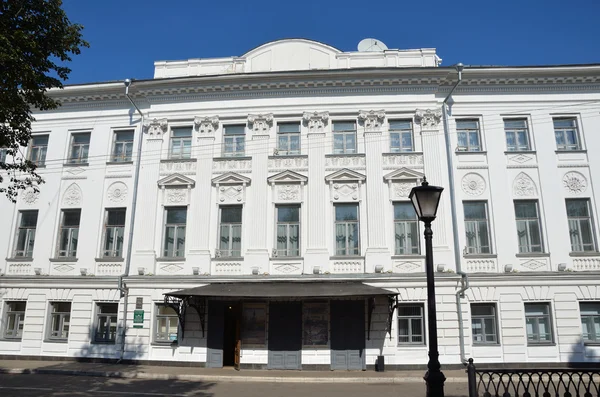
519 152
404 256
489 344
225 158
396 153
39 165
64 259
110 259
288 155
584 253
287 258
174 160
172 343
228 258
345 155
337 257
119 162
76 164
5 339
411 346
592 344
546 344
570 151
533 255
171 259
103 343
470 151
20 259
56 341
478 256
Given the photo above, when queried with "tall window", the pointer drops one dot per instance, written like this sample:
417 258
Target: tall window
565 133
411 329
181 143
406 229
69 233
590 321
106 322
288 230
60 320
230 231
166 324
38 149
14 320
114 232
3 153
26 233
580 225
517 134
234 137
477 227
401 136
122 146
80 147
288 138
483 323
469 139
529 231
538 322
346 229
344 137
175 221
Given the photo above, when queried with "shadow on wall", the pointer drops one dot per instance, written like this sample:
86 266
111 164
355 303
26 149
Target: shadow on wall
97 351
584 355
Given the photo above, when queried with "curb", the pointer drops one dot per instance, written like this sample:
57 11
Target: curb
220 378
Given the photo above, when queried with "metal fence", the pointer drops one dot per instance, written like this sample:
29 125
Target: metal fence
533 382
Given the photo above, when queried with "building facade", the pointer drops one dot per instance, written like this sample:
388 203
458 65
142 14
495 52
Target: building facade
254 211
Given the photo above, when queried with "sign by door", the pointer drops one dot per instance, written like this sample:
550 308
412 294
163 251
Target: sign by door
138 319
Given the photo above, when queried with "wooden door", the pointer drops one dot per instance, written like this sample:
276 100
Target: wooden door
285 335
348 335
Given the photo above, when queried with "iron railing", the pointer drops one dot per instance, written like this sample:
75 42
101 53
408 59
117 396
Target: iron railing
533 382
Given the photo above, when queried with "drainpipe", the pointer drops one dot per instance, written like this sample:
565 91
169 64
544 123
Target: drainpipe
122 286
464 278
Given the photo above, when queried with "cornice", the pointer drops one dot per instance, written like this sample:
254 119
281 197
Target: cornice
76 282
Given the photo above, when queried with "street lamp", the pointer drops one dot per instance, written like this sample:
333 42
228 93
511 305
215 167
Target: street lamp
426 199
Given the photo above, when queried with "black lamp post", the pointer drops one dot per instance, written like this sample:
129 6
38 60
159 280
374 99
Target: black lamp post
426 199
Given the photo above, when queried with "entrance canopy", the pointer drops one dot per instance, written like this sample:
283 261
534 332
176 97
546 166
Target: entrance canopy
316 289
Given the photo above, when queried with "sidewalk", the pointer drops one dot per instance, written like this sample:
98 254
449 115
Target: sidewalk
217 374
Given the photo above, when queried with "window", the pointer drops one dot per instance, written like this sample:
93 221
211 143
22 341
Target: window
167 324
122 146
14 320
565 133
344 137
580 225
346 229
476 227
517 134
38 149
406 229
315 328
26 234
3 153
80 146
468 135
114 232
60 318
69 233
230 231
288 230
590 321
411 329
483 323
288 138
529 231
181 143
106 322
175 221
235 138
254 320
537 321
401 136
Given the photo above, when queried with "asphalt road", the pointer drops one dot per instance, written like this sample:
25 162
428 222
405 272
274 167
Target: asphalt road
75 386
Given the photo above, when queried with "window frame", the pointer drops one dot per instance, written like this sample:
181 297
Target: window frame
537 317
182 140
595 340
107 322
30 232
344 134
237 152
19 315
286 252
346 223
515 131
410 319
482 318
83 148
407 224
61 319
229 252
287 135
468 132
566 147
158 316
529 248
175 252
41 151
401 132
479 246
73 235
579 220
123 157
111 252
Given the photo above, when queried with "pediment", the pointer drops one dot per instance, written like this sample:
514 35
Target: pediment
287 176
231 178
345 175
176 180
403 173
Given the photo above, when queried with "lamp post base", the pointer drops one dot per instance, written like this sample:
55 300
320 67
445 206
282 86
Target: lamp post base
435 383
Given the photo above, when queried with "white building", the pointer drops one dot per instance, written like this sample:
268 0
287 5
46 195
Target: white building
273 188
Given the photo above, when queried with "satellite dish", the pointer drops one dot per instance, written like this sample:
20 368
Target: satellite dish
371 45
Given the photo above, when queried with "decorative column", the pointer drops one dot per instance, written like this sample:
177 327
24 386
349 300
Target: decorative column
145 217
316 257
257 253
435 166
377 252
199 254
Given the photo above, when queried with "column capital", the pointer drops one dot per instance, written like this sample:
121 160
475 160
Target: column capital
372 119
260 123
155 128
316 121
429 118
206 125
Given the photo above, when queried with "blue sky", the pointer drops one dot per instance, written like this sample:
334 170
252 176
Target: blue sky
127 36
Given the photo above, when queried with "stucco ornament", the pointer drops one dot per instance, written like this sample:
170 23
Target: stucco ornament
372 119
524 186
260 122
574 182
289 192
316 121
473 184
428 117
206 125
73 195
402 189
156 128
30 196
348 190
176 196
117 192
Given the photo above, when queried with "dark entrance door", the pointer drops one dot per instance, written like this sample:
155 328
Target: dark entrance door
223 333
348 335
285 335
